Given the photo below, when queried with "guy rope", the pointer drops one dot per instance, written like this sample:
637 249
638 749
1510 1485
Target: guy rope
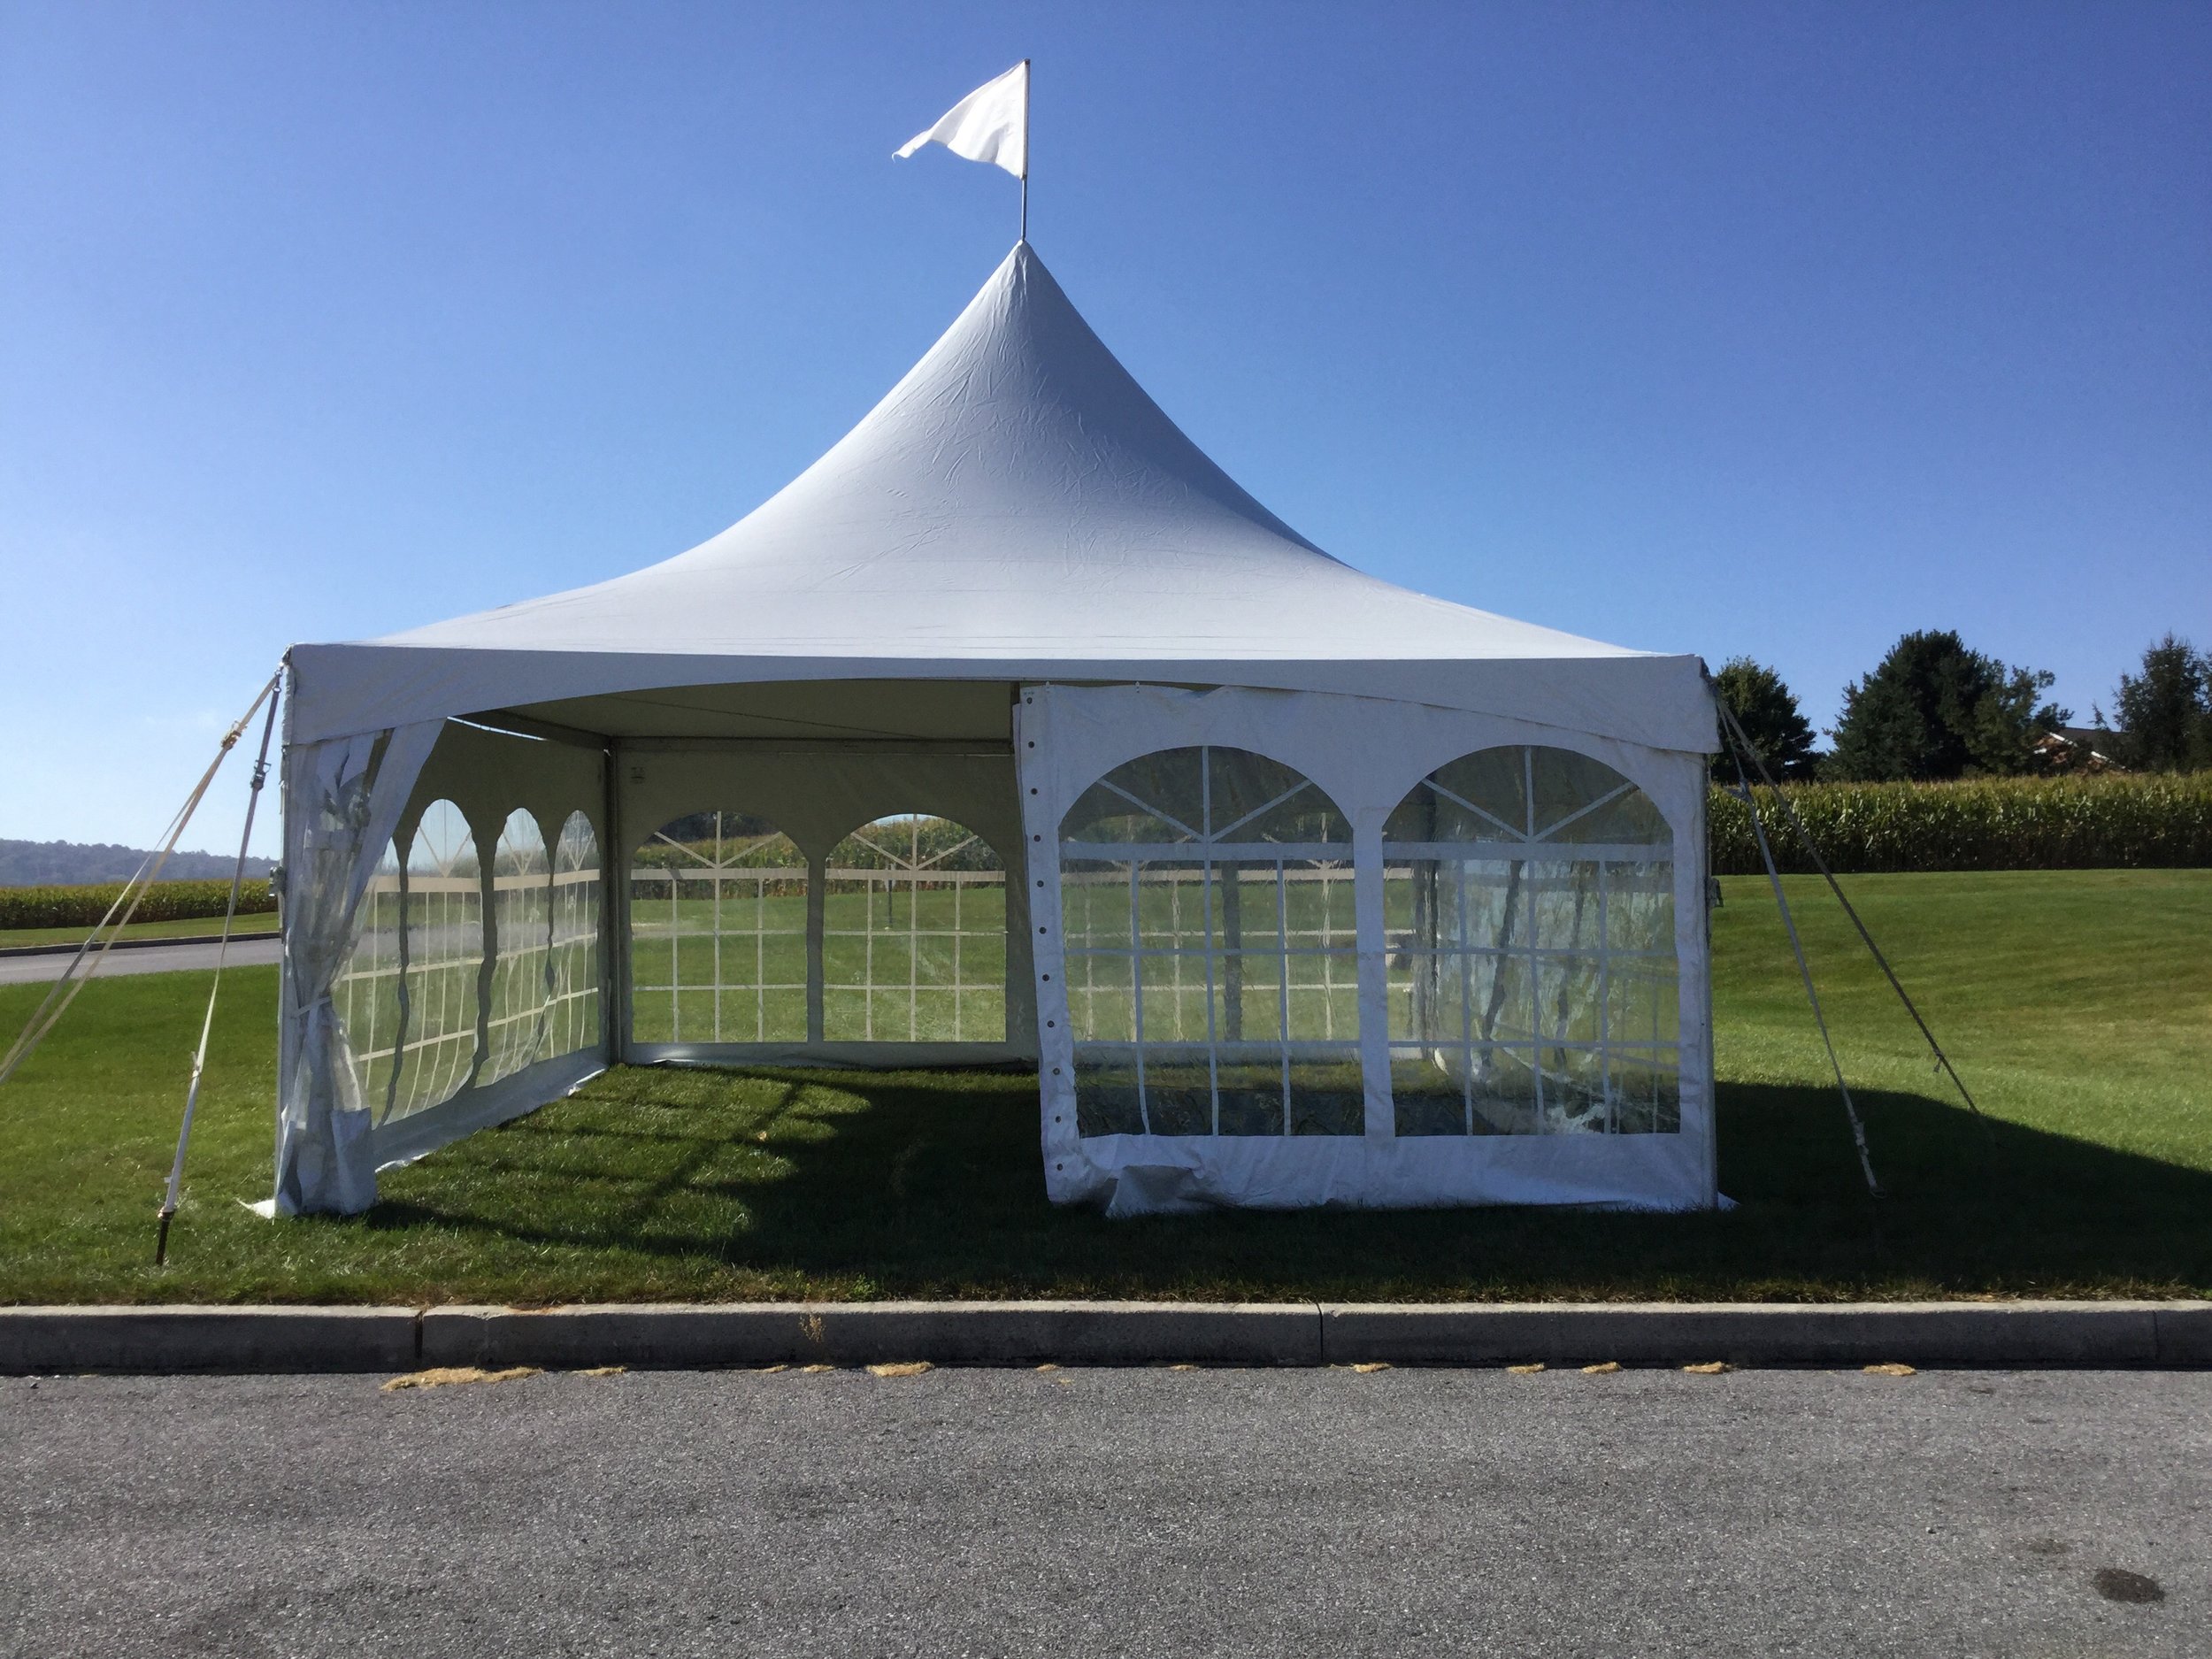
90 954
207 1025
1742 749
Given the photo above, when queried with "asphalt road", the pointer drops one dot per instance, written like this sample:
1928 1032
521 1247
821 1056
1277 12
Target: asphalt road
1153 1512
142 959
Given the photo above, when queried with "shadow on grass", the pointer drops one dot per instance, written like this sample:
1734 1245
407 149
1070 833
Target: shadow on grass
929 1185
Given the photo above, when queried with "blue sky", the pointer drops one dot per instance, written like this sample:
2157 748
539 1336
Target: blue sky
1713 327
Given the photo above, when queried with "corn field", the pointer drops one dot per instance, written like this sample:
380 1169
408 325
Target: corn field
165 902
2133 821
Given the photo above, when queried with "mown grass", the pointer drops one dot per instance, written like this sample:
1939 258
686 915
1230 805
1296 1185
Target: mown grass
2079 1006
898 965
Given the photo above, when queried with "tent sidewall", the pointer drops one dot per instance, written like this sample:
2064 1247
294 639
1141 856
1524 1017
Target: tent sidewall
1366 755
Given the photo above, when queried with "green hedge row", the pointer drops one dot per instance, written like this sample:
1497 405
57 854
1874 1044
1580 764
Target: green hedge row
165 902
2129 821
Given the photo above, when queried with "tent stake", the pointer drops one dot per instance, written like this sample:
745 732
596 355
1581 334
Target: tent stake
168 1210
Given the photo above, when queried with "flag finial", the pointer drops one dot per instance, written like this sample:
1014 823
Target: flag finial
992 125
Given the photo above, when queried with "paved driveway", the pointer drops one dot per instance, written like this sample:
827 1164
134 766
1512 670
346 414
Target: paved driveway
1152 1512
141 959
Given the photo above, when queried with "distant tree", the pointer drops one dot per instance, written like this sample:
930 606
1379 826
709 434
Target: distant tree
1767 709
1934 710
2166 711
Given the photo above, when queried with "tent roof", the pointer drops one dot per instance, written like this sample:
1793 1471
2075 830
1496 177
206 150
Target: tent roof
1016 508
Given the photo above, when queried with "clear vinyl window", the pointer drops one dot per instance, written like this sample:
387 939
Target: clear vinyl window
576 948
717 933
914 935
522 908
1212 982
367 993
444 947
412 988
1529 904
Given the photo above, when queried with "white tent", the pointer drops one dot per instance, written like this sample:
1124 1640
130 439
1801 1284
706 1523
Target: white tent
1014 729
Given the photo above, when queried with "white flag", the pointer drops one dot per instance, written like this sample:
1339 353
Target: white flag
990 124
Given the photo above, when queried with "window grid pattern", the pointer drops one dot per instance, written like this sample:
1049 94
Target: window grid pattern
914 935
413 987
575 940
522 923
367 993
1532 981
1213 980
443 959
719 933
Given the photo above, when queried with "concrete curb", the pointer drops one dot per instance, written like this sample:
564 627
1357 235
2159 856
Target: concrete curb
947 1333
2020 1335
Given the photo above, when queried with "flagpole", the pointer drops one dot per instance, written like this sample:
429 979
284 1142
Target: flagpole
1026 73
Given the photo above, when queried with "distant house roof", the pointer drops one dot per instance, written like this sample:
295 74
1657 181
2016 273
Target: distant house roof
2089 746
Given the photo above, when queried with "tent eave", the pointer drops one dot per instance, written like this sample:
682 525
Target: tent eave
1660 702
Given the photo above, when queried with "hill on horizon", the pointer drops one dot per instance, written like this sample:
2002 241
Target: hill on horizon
74 863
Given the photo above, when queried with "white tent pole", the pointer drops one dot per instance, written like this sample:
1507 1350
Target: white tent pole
207 1025
1026 72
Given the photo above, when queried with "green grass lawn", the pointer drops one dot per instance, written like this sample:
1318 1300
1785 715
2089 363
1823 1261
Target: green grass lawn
2079 1006
256 922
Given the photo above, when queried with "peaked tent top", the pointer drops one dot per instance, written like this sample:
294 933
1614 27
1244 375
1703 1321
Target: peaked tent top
1015 507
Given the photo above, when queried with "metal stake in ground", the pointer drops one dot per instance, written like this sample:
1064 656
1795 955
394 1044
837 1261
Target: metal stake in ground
168 1210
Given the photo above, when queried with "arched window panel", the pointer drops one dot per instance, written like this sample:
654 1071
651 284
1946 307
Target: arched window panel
1531 794
522 920
1529 902
1190 795
1212 979
367 992
717 933
444 946
914 934
576 966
